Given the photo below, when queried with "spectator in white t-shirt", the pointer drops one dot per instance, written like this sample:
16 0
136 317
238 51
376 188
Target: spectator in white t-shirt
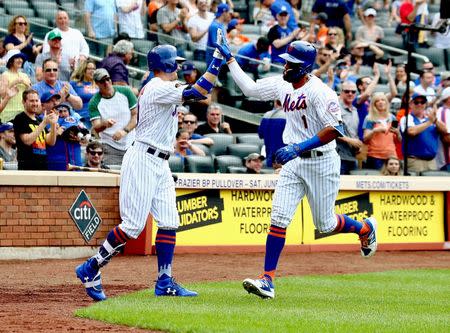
198 26
441 41
129 13
72 40
426 86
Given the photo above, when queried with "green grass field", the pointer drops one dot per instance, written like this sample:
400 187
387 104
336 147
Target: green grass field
394 301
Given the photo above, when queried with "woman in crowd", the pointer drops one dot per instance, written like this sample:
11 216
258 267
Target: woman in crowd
84 85
392 167
184 147
370 32
336 41
13 80
380 132
296 8
20 38
400 78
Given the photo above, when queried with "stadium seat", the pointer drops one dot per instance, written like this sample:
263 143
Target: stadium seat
204 148
176 163
115 166
234 169
384 88
221 163
365 172
27 12
242 149
12 6
38 26
251 138
10 166
142 45
47 13
435 55
394 41
199 164
436 173
221 141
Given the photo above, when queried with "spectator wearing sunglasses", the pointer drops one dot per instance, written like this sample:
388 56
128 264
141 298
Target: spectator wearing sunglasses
422 134
51 83
349 145
20 38
94 155
190 125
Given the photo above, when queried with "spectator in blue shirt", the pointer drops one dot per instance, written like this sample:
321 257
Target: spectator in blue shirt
258 51
275 7
223 16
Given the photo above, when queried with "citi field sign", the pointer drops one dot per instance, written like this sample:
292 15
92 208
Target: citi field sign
85 216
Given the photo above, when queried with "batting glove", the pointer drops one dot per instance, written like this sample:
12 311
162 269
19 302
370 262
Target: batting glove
224 49
285 154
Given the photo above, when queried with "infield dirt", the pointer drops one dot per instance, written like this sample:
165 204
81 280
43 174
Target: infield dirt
41 295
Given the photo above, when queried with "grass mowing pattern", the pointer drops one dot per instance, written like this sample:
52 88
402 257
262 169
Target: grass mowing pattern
394 301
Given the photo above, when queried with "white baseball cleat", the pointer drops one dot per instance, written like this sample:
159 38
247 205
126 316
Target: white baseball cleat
369 241
260 287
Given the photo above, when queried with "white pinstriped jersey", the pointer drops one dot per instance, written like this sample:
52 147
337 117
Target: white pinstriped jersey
157 114
308 109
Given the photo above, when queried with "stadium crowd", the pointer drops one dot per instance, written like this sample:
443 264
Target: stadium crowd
58 106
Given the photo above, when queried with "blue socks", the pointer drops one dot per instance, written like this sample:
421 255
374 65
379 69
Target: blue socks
274 245
112 245
165 246
346 224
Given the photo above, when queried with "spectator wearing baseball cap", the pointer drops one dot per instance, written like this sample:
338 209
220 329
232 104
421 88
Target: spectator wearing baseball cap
223 17
13 82
258 50
57 53
234 34
370 32
7 142
423 135
322 32
281 34
281 6
443 115
254 163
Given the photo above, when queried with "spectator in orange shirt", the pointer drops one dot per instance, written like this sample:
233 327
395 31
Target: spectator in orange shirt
322 33
234 33
380 132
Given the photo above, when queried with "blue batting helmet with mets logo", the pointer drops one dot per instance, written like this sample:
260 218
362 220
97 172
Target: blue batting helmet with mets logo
163 58
302 55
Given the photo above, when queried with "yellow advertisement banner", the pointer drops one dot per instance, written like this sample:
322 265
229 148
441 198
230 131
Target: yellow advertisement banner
227 217
403 217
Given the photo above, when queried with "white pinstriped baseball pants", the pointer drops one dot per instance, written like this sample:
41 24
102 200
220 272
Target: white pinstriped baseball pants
317 178
146 186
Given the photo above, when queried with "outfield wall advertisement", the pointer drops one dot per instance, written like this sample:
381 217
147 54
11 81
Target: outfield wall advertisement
242 217
403 217
228 217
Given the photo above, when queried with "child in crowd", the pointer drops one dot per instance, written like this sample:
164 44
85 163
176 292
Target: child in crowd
392 167
70 122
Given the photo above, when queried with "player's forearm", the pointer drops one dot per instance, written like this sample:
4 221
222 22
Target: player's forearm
244 82
205 83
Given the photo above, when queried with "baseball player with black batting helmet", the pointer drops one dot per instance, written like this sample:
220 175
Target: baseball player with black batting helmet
310 162
146 183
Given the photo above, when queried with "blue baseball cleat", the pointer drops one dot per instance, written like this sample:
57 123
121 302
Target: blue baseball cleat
91 279
369 241
168 287
263 287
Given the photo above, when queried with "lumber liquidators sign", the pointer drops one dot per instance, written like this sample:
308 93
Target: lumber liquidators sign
228 217
85 216
403 217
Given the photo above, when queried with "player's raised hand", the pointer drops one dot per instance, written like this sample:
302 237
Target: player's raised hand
285 154
222 45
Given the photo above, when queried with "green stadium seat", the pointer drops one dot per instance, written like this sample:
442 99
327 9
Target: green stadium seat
235 169
176 164
27 12
199 164
436 173
366 172
222 162
251 138
203 147
242 149
221 141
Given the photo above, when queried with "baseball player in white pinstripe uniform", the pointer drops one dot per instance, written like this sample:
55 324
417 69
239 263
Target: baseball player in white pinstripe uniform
311 164
147 186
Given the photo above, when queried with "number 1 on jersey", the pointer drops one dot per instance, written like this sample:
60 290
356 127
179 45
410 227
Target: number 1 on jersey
304 121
